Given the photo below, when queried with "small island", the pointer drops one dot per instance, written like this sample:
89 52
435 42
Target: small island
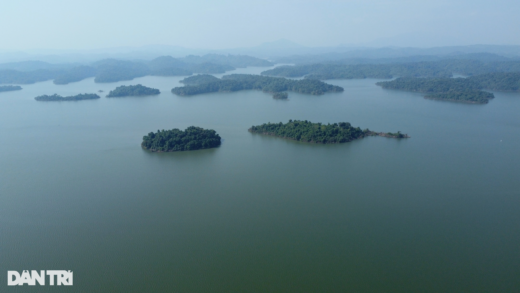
8 88
306 131
280 96
58 98
132 91
193 138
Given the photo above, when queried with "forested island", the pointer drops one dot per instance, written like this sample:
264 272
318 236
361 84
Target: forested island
193 138
132 90
238 82
58 98
466 90
8 88
306 131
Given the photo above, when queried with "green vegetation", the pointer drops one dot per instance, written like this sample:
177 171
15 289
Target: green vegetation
443 68
132 90
199 79
8 88
238 82
393 134
469 96
430 85
58 98
466 90
75 74
193 138
498 81
307 131
280 96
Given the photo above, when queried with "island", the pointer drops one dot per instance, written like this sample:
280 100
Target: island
306 131
58 98
464 90
280 96
238 82
8 88
199 79
193 138
132 90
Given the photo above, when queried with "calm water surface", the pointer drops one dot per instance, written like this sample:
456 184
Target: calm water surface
439 212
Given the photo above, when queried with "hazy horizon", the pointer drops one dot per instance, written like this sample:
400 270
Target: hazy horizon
199 25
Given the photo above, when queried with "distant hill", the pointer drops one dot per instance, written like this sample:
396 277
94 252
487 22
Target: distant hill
35 65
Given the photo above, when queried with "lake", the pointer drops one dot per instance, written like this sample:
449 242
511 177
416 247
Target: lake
439 212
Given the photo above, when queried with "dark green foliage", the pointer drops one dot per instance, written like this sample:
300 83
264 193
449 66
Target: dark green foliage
307 131
199 79
132 90
498 81
75 74
442 68
280 96
8 88
394 134
237 82
193 138
466 90
58 98
111 70
430 85
469 96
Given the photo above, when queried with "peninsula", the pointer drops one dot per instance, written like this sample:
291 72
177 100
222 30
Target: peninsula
58 98
132 90
193 138
306 131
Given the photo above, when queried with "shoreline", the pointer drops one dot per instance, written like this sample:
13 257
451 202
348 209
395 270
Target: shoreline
371 133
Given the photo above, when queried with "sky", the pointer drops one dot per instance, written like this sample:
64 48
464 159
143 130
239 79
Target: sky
223 24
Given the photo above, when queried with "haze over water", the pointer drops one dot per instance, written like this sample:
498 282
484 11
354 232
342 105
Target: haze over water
439 212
